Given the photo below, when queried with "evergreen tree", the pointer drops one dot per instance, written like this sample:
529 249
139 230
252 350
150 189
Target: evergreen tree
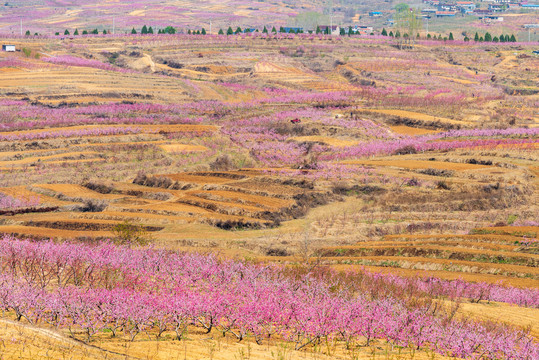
238 30
451 36
281 29
169 30
328 30
159 31
417 36
203 31
84 32
488 37
198 32
144 30
28 33
318 31
350 30
95 31
66 32
230 31
439 36
384 32
265 30
274 30
133 31
476 37
513 38
429 36
481 39
342 32
391 34
105 32
495 39
221 32
56 33
398 34
502 38
466 39
189 32
76 32
150 30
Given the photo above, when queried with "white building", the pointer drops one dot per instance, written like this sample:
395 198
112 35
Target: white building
8 48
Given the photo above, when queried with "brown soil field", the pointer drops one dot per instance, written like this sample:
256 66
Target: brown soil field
411 131
172 148
415 116
446 275
325 140
24 193
418 164
77 191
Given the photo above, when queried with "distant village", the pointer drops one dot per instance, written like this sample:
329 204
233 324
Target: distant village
491 11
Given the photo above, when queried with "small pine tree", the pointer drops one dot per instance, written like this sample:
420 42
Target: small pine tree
502 38
513 38
150 30
281 29
398 34
439 36
451 36
466 39
417 36
391 34
384 32
198 32
495 39
105 32
318 31
221 32
203 31
238 30
476 37
265 30
56 33
342 32
429 36
95 31
144 30
66 32
488 37
274 30
76 32
350 30
133 31
28 33
481 39
230 31
84 32
189 32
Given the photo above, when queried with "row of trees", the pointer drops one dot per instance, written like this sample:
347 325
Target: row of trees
488 38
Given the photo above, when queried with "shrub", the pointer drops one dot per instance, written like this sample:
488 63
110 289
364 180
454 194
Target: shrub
222 163
93 206
127 233
408 149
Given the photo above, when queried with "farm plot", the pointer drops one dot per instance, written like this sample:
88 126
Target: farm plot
226 200
501 254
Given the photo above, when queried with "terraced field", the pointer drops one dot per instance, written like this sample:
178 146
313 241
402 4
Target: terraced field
509 255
